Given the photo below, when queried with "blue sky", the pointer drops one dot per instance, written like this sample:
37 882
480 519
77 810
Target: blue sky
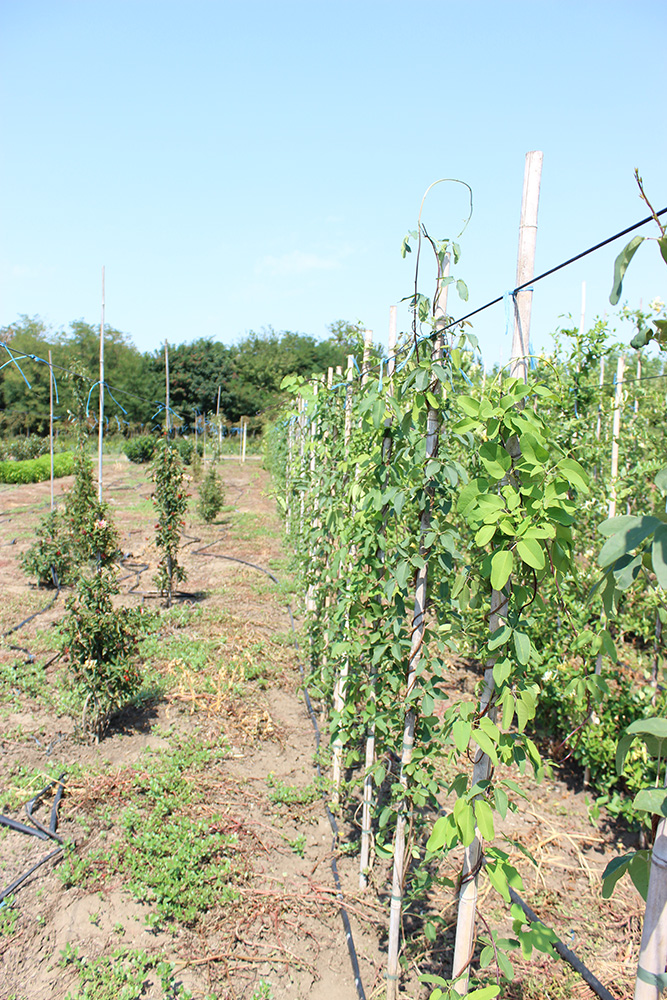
242 165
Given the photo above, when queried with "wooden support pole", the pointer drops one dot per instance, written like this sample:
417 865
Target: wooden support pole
467 906
525 267
616 433
366 363
599 423
340 689
653 947
416 642
51 424
166 391
100 435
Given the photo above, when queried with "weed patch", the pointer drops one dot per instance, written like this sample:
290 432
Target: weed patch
126 975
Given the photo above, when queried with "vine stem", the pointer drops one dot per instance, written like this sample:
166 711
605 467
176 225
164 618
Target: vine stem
410 718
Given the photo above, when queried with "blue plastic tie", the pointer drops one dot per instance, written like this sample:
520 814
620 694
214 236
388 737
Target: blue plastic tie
409 355
356 364
92 388
465 376
509 300
114 399
12 358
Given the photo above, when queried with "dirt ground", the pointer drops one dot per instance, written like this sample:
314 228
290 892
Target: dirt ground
281 936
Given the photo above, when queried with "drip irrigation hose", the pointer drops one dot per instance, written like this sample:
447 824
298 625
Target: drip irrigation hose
37 830
332 820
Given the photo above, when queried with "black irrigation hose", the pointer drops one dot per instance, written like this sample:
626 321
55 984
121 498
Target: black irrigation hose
332 821
37 830
25 621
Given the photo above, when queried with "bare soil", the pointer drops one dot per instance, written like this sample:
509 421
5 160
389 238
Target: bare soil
282 936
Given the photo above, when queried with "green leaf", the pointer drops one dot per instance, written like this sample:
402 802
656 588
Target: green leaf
574 473
662 243
523 647
500 637
485 743
621 265
502 801
461 734
484 817
462 289
625 536
498 880
653 800
464 817
501 568
626 571
496 460
485 993
485 534
531 552
661 480
659 554
440 834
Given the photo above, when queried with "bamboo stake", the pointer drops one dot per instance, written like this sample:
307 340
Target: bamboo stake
166 396
599 423
653 948
526 263
288 479
616 433
365 365
365 847
467 909
217 420
340 689
311 603
51 423
417 638
245 439
100 438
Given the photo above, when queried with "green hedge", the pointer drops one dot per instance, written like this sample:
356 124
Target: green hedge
36 470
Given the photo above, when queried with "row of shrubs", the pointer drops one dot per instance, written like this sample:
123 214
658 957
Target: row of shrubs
22 448
142 449
36 470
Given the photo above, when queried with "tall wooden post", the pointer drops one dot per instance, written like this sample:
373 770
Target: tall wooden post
51 423
100 437
616 433
467 908
525 267
166 391
340 689
414 658
599 423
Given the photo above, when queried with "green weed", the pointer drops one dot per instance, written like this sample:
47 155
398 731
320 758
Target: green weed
125 974
282 794
8 917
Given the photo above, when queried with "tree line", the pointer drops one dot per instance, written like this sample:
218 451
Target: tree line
245 376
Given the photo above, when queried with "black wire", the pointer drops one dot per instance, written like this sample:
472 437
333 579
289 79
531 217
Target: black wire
526 284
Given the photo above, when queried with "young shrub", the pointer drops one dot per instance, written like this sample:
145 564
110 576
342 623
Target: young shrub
101 643
140 449
171 502
211 496
186 450
51 558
